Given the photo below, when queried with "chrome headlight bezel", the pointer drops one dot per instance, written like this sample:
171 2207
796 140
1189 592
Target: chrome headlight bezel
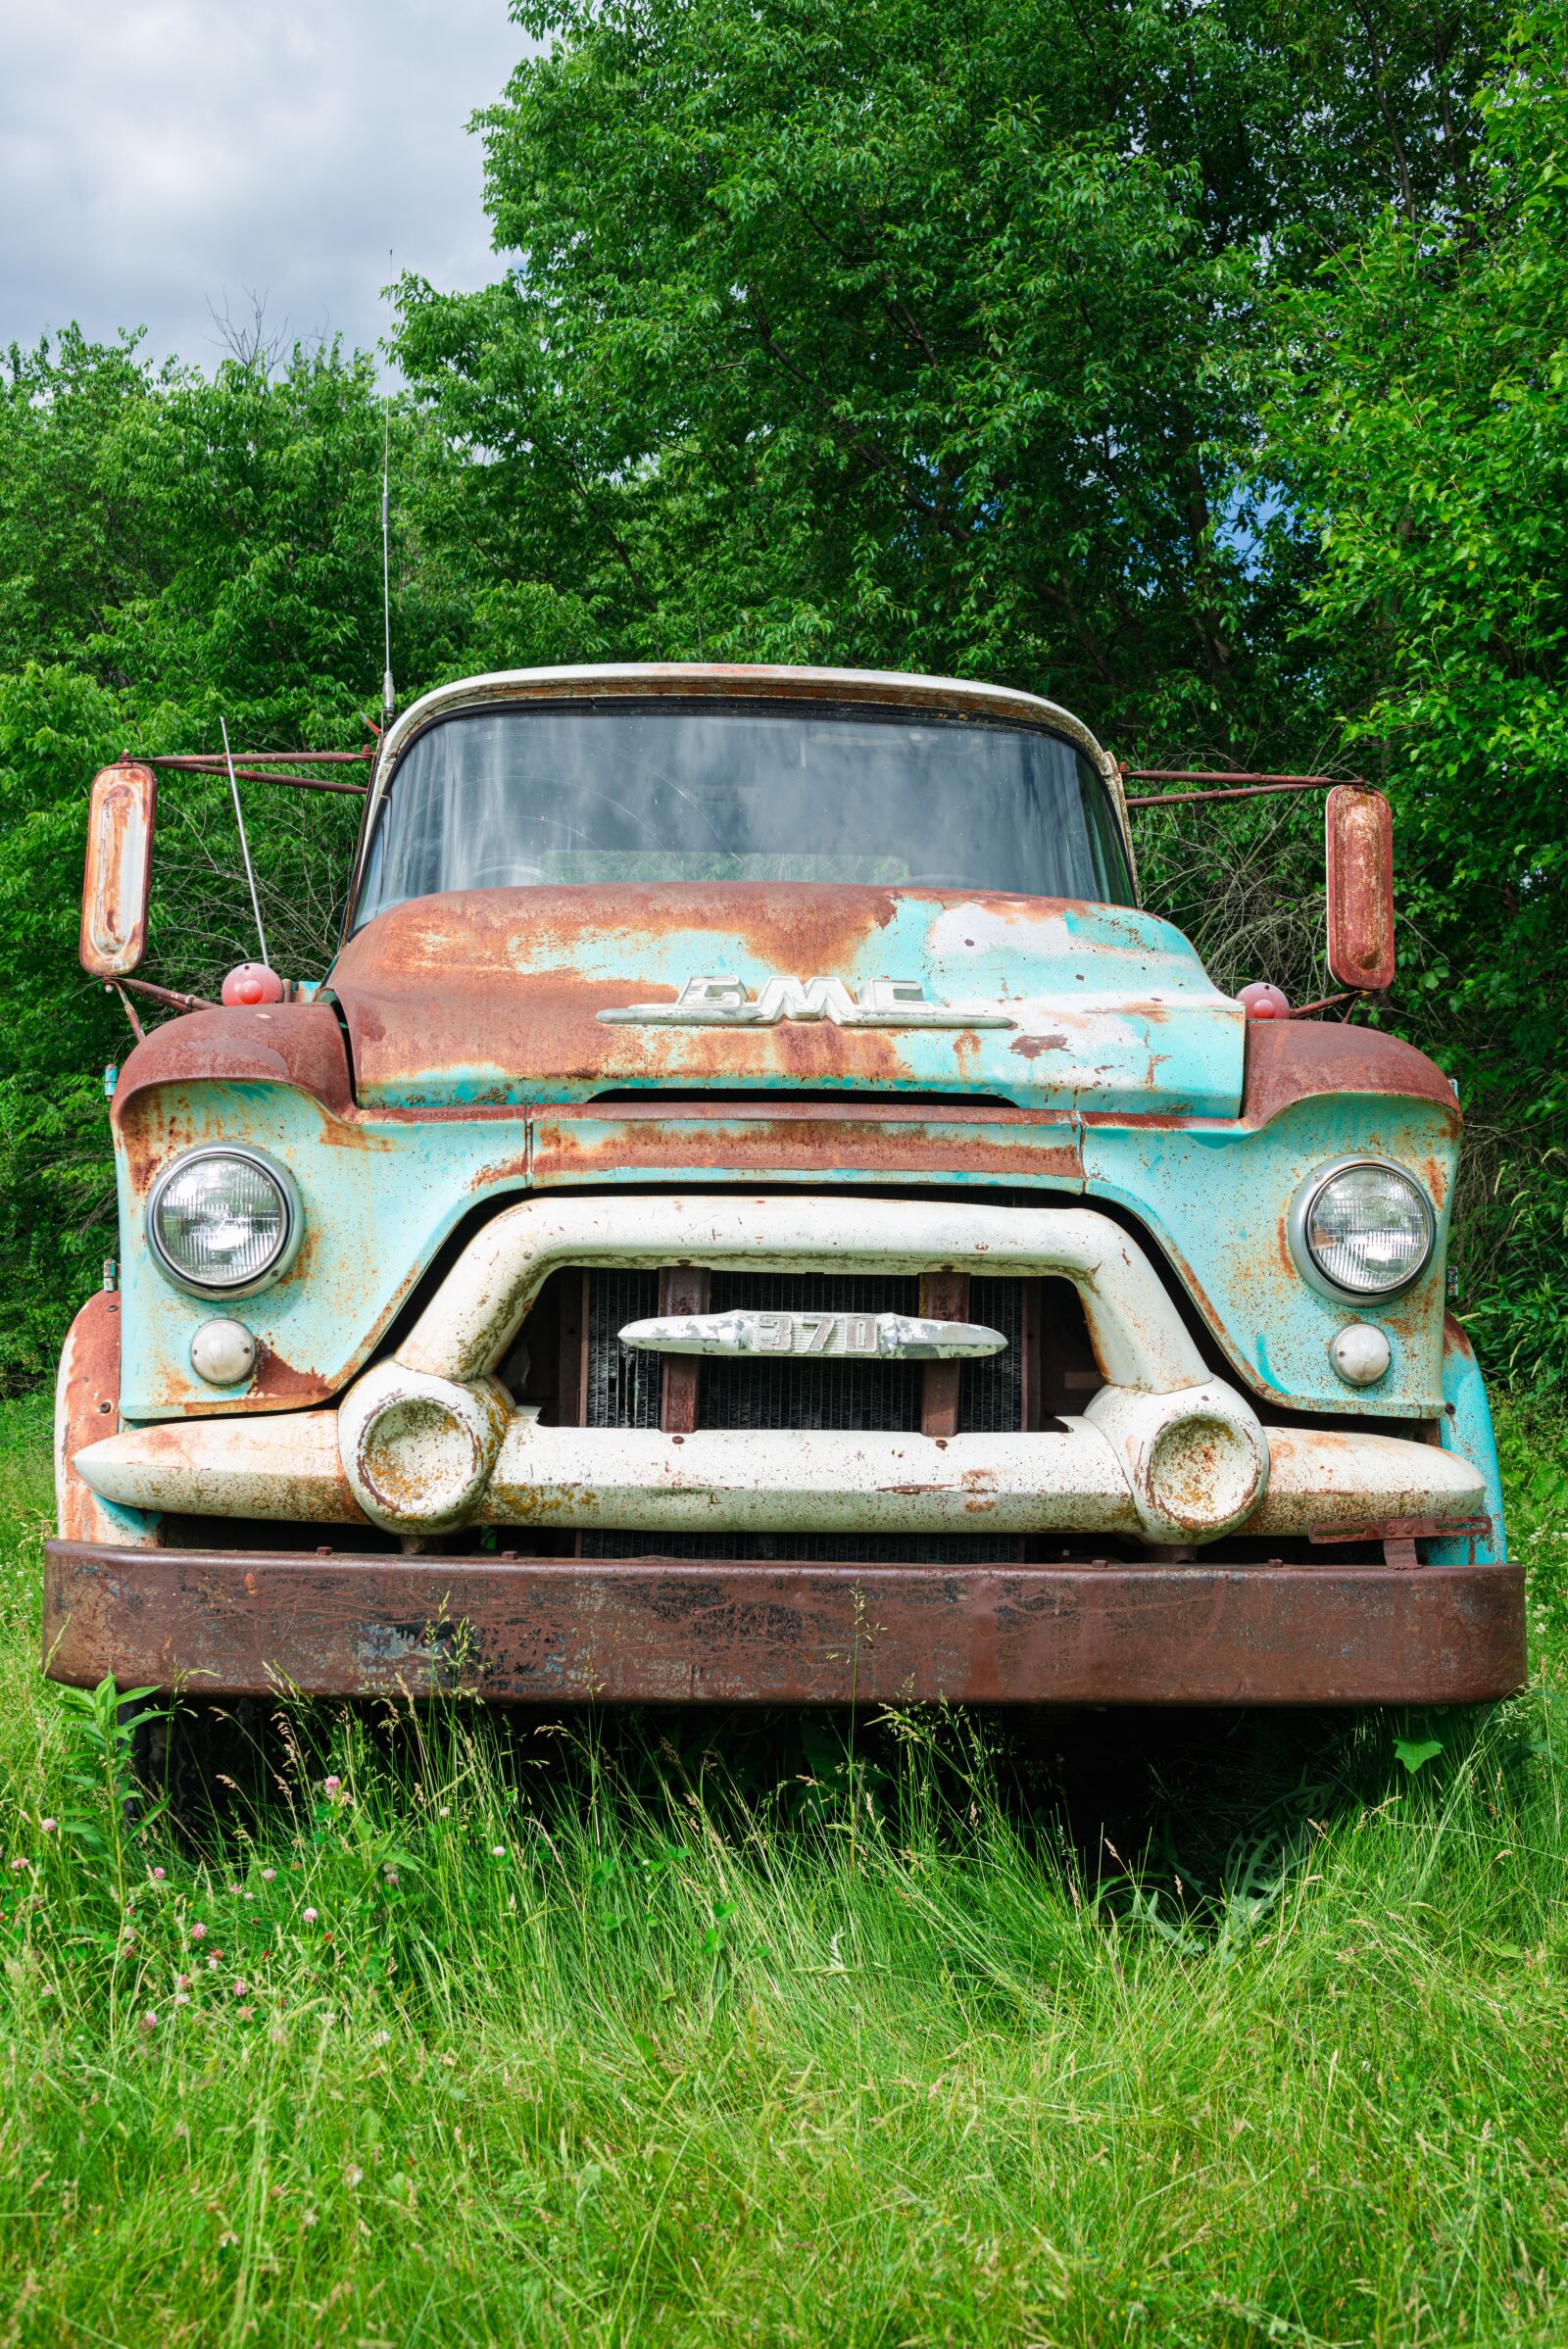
1306 1263
282 1257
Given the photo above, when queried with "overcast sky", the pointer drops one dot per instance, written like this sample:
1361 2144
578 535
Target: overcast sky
160 155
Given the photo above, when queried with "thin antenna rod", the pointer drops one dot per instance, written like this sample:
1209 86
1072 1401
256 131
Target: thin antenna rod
388 700
244 844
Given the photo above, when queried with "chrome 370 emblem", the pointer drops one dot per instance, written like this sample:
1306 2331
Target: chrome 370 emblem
895 1336
724 1003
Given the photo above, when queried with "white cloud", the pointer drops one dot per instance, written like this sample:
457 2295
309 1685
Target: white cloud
160 155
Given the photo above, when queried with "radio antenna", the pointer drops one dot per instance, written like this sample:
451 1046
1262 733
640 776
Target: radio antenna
388 700
244 844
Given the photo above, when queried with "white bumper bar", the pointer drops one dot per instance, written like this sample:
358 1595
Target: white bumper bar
583 1479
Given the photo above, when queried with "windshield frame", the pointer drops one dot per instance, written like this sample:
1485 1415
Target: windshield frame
873 694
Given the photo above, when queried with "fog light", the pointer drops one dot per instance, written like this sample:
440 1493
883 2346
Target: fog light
222 1353
1360 1353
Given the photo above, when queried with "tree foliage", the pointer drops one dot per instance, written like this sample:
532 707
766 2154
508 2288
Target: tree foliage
1198 365
930 329
1420 431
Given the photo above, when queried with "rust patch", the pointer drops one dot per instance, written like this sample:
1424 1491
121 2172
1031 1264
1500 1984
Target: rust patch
485 979
1030 1047
277 1384
86 1407
286 1044
587 1146
1290 1060
493 980
661 1630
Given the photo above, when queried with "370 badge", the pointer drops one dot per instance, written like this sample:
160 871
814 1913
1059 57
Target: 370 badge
892 1336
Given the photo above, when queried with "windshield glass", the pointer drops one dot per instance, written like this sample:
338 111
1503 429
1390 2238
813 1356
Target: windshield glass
703 791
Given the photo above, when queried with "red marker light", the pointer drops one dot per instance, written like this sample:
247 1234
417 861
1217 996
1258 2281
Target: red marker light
253 983
1260 1001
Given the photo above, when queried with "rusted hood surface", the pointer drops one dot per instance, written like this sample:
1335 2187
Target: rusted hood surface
497 995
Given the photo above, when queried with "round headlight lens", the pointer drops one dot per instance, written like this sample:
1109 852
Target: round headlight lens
1369 1230
221 1220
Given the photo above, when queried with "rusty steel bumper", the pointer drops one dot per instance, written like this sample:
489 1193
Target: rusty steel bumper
665 1630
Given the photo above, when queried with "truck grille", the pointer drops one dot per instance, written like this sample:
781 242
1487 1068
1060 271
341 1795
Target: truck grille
624 1389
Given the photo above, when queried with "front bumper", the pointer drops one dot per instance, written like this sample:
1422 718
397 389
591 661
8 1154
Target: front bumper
664 1631
428 1442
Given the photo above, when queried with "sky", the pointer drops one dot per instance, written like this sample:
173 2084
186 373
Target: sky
161 159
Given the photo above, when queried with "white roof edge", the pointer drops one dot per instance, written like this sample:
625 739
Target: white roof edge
497 684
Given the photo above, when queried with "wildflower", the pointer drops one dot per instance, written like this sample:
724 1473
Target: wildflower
391 1876
47 1827
310 1916
212 1965
444 1811
498 1851
239 1989
182 1998
267 1875
149 2020
182 1982
245 2013
354 2176
331 1784
198 1933
380 2039
17 1865
158 1876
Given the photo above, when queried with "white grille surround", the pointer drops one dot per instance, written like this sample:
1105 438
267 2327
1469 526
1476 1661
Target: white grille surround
428 1440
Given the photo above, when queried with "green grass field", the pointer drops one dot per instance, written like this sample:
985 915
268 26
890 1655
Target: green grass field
926 2031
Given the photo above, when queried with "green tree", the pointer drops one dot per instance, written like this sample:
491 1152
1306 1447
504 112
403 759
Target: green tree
925 332
173 548
1419 430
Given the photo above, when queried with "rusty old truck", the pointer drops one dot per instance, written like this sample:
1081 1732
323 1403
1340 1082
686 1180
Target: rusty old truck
757 1210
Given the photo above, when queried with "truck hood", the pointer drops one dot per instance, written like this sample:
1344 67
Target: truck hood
500 995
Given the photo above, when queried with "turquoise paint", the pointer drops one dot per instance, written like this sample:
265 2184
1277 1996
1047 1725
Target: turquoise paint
1466 1427
382 1193
1113 1009
1222 1228
1117 1023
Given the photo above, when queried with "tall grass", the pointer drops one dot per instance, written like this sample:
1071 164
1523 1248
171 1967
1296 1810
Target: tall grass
662 2032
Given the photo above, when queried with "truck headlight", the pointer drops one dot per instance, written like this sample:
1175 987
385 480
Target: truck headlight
1366 1228
223 1219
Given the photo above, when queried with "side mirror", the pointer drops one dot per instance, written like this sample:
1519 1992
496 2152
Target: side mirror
118 871
1358 827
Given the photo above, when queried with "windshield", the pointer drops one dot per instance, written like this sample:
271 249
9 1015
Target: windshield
700 790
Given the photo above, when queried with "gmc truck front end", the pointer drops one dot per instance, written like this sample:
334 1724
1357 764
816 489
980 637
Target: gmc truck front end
757 1213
